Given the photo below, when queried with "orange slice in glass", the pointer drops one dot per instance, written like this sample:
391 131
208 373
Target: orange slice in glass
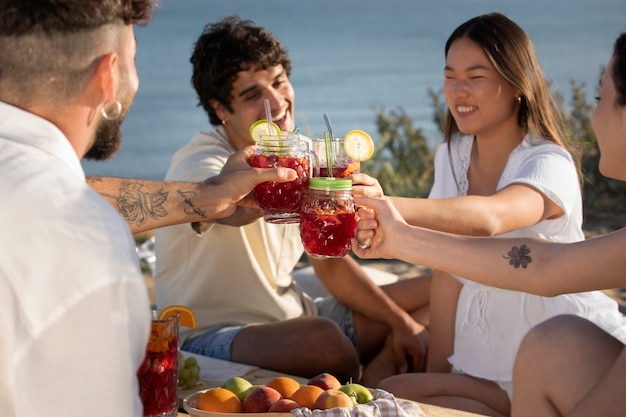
186 317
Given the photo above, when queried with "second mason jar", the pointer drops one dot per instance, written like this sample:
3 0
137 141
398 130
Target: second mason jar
328 217
281 201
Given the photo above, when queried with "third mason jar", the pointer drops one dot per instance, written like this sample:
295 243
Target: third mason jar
328 217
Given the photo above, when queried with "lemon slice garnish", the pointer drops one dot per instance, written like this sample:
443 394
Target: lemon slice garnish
358 145
186 317
261 127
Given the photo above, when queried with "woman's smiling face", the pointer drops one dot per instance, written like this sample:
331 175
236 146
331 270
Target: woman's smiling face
479 98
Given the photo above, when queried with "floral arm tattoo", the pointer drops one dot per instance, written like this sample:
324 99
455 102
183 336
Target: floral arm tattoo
519 256
137 206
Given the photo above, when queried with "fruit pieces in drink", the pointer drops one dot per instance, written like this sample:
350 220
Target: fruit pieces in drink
343 168
358 145
281 198
158 373
262 127
327 232
186 317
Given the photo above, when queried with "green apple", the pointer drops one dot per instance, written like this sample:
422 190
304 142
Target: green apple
358 392
240 386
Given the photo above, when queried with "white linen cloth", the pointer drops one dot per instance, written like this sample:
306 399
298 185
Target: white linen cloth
75 309
384 404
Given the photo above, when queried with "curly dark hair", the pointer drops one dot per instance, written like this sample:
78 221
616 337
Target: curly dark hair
226 48
619 68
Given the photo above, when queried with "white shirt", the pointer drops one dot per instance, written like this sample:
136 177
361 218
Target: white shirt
75 311
227 275
491 322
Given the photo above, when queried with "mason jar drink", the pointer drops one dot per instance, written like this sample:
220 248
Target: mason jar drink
281 201
342 165
328 217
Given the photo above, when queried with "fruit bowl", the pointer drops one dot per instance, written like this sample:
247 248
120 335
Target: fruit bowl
189 404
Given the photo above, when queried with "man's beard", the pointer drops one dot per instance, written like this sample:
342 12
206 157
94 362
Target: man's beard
108 138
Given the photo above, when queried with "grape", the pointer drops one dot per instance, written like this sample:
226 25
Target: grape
188 371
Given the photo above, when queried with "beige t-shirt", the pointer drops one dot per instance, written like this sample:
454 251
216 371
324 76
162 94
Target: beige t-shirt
226 274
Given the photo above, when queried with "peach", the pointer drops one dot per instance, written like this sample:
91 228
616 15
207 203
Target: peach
284 405
332 398
260 399
325 381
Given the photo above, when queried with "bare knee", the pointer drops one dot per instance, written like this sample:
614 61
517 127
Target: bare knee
304 346
334 351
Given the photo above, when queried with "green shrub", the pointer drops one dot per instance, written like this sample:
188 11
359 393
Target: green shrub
402 160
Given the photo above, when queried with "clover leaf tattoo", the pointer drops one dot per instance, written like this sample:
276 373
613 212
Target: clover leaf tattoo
519 256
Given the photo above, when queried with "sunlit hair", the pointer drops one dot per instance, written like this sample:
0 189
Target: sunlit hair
619 69
223 50
511 52
49 48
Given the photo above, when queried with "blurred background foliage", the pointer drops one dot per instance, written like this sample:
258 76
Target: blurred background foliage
403 159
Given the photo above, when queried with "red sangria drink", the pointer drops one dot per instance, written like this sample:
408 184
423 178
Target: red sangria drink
328 218
158 374
342 164
342 169
281 201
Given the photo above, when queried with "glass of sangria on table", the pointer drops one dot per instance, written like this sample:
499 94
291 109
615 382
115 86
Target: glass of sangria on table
328 217
281 201
158 374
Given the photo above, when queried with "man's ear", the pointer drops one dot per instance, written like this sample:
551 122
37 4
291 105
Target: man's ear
220 110
106 77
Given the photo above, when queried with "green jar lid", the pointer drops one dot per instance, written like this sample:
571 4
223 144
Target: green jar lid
330 183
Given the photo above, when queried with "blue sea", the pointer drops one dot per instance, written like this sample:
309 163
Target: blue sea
350 57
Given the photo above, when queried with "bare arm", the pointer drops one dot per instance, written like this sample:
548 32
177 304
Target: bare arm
148 205
529 265
511 208
444 295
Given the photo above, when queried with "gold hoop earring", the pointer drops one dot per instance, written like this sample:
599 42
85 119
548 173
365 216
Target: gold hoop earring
117 110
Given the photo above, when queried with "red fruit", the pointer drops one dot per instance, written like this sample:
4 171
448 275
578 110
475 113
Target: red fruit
325 381
260 399
332 398
284 405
